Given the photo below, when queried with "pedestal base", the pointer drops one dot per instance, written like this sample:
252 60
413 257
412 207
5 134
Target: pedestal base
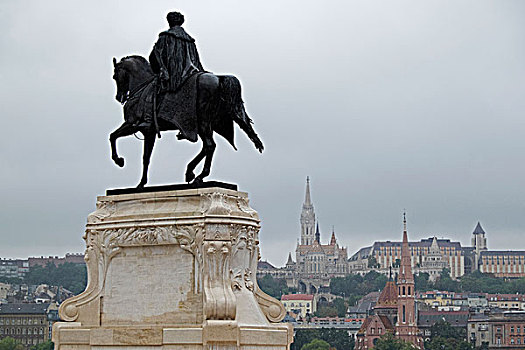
172 270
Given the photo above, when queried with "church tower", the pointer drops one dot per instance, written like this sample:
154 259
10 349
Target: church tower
406 326
479 242
307 218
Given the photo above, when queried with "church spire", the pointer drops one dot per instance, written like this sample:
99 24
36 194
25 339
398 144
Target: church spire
290 261
332 239
307 199
317 234
307 218
405 270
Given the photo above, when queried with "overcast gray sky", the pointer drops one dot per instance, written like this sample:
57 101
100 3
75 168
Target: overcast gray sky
386 105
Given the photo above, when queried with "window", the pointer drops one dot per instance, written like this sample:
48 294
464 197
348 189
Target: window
512 330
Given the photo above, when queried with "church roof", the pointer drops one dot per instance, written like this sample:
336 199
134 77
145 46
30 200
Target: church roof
265 265
478 230
290 261
388 296
297 297
380 318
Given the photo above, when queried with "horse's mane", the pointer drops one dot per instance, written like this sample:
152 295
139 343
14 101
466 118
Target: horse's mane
139 62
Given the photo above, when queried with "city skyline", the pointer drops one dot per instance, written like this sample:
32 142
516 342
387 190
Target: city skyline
385 105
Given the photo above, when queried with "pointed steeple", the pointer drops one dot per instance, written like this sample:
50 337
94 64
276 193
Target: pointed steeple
307 199
405 270
478 230
434 247
290 261
332 239
307 218
317 234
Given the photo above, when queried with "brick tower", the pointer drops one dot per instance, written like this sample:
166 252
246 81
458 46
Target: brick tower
406 326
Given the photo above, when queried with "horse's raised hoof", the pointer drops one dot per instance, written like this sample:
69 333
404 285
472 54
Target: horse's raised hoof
119 161
190 176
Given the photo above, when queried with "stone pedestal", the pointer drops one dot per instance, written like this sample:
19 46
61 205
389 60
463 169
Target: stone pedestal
172 270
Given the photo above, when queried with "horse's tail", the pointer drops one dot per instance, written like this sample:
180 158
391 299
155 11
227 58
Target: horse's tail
230 91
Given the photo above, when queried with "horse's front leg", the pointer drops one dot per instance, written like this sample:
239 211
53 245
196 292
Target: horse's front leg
149 142
125 129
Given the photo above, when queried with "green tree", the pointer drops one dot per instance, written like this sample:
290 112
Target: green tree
274 287
9 343
341 307
326 311
316 344
372 263
445 282
422 282
337 338
389 342
48 345
446 337
70 276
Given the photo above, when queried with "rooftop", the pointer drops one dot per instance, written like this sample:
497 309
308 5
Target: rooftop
309 297
26 308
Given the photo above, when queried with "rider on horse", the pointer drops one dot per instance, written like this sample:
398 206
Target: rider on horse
174 58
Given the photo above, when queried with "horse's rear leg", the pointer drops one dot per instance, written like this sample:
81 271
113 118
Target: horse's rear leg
190 175
149 142
209 149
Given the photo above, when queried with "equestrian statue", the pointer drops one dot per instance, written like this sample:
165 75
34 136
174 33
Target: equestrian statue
173 92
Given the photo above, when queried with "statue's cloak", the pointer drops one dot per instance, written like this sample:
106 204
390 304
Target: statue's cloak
176 52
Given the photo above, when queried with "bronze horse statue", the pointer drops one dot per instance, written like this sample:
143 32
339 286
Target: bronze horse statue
217 101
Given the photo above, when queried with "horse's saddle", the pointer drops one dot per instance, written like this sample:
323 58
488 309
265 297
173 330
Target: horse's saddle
179 108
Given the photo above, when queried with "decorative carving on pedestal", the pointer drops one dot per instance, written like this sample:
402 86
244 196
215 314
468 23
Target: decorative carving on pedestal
103 245
207 242
219 300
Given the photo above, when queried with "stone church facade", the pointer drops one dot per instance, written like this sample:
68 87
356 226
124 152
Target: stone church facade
315 263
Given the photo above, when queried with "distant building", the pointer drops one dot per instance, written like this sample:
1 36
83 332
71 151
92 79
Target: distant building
13 268
514 302
428 255
503 330
26 323
17 268
55 260
478 329
505 264
315 263
426 319
364 306
479 243
395 311
300 304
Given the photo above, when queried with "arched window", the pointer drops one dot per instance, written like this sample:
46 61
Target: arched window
404 317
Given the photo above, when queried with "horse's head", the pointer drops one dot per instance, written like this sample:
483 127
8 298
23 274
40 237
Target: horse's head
121 77
128 73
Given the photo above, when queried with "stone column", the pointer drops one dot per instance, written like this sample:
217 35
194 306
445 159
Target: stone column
172 270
